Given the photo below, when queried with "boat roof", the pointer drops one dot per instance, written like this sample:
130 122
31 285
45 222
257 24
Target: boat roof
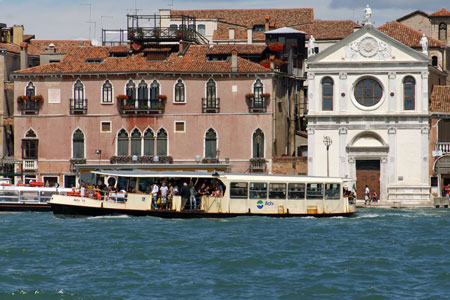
205 174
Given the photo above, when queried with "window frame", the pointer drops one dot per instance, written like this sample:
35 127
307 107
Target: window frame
109 92
312 194
405 83
123 140
275 189
135 143
296 190
380 101
209 140
239 195
177 88
327 101
159 142
79 146
251 189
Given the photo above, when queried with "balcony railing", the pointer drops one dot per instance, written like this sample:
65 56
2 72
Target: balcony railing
257 104
443 146
29 165
30 107
258 165
142 106
78 106
210 105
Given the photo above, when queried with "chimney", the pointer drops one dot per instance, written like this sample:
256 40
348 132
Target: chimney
234 60
17 34
23 55
51 49
182 48
267 24
231 35
249 36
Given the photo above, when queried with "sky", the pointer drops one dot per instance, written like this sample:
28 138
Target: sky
83 19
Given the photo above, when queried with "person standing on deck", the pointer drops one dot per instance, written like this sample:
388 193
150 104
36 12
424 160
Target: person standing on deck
366 195
164 189
184 193
155 191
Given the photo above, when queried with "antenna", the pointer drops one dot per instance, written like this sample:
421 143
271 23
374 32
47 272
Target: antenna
171 5
135 8
90 17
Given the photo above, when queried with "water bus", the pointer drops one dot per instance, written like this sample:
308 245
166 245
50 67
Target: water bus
30 197
236 195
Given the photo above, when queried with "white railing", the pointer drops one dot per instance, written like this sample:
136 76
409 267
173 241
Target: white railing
444 147
30 165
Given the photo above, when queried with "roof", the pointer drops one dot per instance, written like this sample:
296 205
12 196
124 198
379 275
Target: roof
250 17
194 61
284 30
329 29
61 46
421 12
241 49
407 35
440 99
441 13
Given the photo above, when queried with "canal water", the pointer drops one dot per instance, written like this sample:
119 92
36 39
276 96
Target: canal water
378 254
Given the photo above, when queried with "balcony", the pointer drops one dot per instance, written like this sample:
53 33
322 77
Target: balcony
257 104
78 106
443 146
258 165
142 107
29 165
210 105
30 107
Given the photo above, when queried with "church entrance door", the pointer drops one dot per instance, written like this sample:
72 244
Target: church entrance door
367 173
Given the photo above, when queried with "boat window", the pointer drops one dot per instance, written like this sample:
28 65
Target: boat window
258 190
239 190
296 191
314 191
332 190
277 191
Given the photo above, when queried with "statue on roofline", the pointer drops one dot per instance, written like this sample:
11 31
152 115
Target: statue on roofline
424 43
367 16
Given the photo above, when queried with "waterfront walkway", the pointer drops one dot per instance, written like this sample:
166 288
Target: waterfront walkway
393 204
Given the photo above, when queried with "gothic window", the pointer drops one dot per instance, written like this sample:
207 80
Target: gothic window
327 94
154 90
179 91
258 90
78 144
149 142
211 144
131 91
211 90
78 90
136 142
409 87
443 31
258 143
30 90
107 92
368 92
122 143
30 145
142 90
161 142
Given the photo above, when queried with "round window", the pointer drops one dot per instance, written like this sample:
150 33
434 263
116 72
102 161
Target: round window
368 92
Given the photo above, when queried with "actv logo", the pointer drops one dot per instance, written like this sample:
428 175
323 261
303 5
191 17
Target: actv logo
260 204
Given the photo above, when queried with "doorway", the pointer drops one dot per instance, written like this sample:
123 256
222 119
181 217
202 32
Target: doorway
367 173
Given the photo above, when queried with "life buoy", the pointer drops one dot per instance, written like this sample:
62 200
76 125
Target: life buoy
5 184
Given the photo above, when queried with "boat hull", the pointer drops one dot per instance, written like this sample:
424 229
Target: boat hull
74 210
16 206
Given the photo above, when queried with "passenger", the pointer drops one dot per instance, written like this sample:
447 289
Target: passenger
366 195
170 196
164 192
185 193
155 192
192 196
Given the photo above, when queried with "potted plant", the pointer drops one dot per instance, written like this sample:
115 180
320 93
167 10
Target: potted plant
179 34
22 99
131 33
276 47
162 97
156 32
250 96
265 95
37 98
265 63
121 98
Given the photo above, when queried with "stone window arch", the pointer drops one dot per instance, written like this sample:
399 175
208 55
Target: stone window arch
211 143
258 143
327 93
78 144
409 93
122 143
136 142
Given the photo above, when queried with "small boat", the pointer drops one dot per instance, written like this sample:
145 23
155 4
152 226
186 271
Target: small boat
26 197
233 195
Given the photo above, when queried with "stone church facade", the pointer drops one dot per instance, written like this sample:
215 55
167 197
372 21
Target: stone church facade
368 94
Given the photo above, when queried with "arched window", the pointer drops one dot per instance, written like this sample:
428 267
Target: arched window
136 142
154 90
443 31
211 90
78 144
78 90
161 142
409 88
434 61
131 92
107 92
142 94
327 93
30 90
30 145
122 143
179 91
149 142
258 143
258 91
211 144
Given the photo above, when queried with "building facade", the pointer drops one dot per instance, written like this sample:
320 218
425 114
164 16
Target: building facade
368 102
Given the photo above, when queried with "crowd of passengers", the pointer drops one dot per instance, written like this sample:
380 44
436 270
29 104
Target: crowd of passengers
162 192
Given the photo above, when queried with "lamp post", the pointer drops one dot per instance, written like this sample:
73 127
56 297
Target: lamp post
99 152
327 142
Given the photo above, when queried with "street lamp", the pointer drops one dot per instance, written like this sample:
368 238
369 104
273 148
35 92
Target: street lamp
327 142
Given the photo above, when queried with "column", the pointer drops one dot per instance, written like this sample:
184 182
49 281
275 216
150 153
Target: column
342 91
311 136
311 102
342 152
391 97
392 164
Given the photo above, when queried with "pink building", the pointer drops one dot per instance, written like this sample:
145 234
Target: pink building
162 107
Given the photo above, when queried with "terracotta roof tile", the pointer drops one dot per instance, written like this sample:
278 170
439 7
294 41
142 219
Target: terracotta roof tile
194 61
329 29
441 13
440 99
13 48
61 46
407 35
250 17
241 49
413 13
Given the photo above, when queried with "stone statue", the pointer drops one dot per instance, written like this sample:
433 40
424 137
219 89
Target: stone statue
424 43
311 46
367 16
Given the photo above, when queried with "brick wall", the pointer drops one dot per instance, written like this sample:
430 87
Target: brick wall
290 165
